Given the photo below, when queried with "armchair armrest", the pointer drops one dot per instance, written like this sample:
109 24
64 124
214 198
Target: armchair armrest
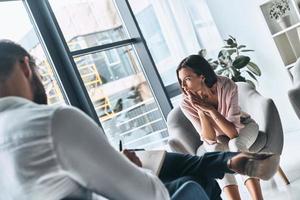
264 112
183 136
294 96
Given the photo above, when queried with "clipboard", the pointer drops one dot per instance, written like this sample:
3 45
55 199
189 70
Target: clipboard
152 159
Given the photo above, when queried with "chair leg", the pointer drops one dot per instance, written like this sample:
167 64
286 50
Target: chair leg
283 176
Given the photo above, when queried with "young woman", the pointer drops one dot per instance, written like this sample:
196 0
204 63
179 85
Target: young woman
210 102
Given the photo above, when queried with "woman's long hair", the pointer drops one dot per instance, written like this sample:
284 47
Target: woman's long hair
200 66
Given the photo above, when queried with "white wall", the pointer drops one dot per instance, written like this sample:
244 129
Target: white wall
243 19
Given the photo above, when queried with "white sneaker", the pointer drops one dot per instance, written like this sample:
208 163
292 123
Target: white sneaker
263 168
257 165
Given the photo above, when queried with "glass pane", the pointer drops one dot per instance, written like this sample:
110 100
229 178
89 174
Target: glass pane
122 98
88 23
149 24
175 29
176 100
20 30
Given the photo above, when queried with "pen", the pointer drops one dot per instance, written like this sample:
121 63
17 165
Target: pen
136 149
120 146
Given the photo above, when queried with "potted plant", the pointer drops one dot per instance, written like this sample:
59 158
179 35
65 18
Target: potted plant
279 10
232 64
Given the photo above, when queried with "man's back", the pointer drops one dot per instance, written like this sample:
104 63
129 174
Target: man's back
28 161
49 152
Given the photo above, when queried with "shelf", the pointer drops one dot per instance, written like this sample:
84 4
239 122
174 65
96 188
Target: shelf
288 46
273 24
286 30
287 40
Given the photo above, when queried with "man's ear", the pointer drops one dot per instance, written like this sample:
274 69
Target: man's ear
25 66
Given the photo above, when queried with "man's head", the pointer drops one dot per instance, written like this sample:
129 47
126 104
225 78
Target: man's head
18 76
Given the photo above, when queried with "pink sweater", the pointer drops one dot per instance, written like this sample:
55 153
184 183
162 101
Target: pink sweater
227 105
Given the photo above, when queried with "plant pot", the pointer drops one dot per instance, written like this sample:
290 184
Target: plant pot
284 21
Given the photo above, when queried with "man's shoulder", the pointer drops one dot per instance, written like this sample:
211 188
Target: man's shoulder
69 116
22 118
66 110
30 111
32 106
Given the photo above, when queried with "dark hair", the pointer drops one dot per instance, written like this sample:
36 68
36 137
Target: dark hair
10 53
200 66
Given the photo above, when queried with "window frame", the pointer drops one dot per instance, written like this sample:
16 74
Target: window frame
52 38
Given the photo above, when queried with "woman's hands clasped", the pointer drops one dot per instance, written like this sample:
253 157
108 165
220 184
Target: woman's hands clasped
200 103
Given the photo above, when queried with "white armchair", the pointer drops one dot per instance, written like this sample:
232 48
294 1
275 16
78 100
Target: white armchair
185 139
294 93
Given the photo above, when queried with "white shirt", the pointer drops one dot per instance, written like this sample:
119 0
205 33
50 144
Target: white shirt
49 152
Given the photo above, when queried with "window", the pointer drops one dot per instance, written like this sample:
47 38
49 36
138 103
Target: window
111 62
204 26
112 57
113 77
19 29
125 106
88 23
152 31
174 30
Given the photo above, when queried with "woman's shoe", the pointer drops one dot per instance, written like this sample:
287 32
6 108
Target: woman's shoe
258 165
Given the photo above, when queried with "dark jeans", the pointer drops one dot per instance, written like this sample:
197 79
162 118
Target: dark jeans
190 190
178 169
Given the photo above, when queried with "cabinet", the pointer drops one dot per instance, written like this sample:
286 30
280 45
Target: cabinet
287 39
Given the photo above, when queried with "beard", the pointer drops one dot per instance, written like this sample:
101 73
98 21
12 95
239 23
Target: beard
39 92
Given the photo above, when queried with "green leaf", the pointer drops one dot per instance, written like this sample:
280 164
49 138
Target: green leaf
223 65
214 64
229 41
220 71
241 46
230 44
238 79
231 72
235 72
226 52
241 79
202 53
252 75
246 50
254 68
231 51
226 73
251 83
234 79
241 61
232 37
233 45
220 54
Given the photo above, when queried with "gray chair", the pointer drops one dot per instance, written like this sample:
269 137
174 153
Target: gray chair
294 92
185 139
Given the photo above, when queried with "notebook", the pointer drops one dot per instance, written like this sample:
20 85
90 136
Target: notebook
152 159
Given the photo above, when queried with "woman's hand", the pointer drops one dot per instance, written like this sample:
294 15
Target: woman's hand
199 103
